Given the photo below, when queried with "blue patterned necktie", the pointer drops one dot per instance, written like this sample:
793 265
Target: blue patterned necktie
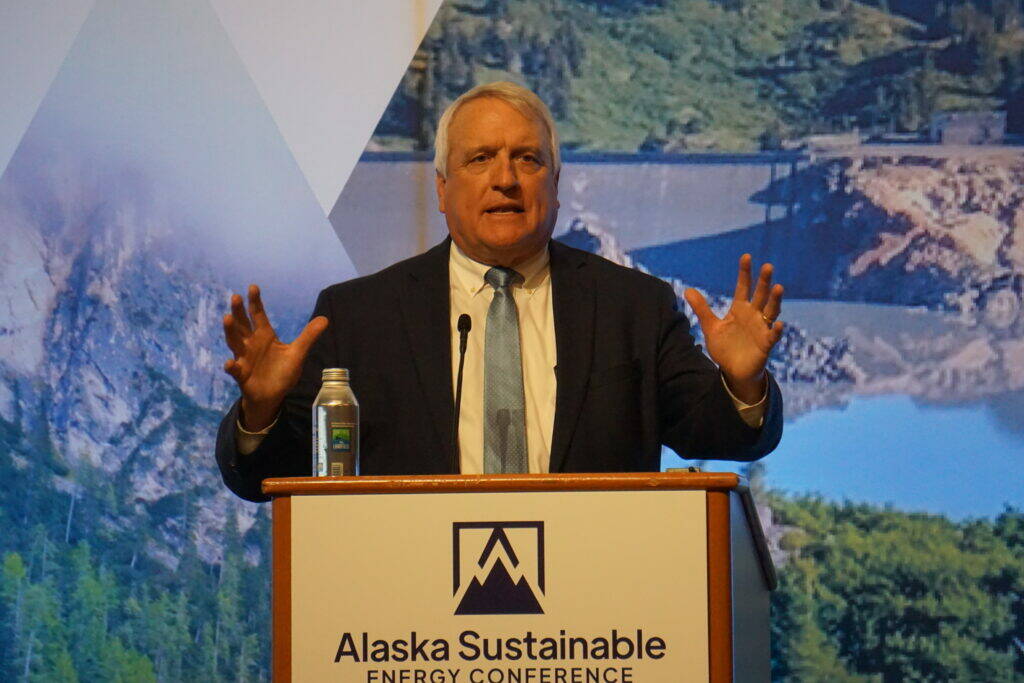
504 403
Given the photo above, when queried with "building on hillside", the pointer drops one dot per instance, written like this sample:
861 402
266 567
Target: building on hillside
968 127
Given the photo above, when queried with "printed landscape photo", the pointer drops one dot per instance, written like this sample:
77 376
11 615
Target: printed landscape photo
872 151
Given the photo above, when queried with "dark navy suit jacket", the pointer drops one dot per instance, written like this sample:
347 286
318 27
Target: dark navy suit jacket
630 377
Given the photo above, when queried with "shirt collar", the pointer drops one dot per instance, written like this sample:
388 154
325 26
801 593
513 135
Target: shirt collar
469 274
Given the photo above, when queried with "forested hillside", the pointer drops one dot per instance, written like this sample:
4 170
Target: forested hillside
81 599
872 594
629 75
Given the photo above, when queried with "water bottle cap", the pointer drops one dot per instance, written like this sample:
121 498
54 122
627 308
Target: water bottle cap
335 375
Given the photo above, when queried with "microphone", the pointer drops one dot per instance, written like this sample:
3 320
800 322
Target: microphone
464 325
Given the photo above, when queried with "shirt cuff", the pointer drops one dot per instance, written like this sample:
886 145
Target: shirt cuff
751 413
245 441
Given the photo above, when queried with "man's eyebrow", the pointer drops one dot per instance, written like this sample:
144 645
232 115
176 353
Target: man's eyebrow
537 150
473 151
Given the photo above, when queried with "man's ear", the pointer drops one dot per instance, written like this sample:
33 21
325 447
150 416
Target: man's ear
440 185
558 175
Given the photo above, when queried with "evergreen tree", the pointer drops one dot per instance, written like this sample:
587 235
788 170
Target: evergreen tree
247 661
811 655
13 583
206 668
230 629
62 669
87 615
177 645
45 650
121 665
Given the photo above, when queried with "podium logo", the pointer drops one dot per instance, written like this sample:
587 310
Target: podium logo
498 567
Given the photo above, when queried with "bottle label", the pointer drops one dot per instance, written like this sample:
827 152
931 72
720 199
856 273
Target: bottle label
341 437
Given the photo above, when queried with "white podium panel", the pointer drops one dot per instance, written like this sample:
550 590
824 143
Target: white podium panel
500 587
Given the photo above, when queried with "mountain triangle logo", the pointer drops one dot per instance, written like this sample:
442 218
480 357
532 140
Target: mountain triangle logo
501 581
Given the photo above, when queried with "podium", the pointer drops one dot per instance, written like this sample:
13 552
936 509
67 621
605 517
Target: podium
538 578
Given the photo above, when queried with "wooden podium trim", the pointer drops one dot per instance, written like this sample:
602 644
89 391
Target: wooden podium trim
484 483
719 588
281 590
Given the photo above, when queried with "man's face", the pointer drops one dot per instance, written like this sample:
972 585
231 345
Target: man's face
500 198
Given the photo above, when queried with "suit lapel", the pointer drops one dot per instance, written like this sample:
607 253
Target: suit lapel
427 313
573 306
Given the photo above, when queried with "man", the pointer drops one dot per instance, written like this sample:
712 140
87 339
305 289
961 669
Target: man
574 363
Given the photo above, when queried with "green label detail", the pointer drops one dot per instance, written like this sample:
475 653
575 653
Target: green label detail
341 438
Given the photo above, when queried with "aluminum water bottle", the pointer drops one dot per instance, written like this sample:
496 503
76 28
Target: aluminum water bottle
335 427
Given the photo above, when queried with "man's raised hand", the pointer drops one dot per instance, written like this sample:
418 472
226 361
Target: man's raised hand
264 367
740 341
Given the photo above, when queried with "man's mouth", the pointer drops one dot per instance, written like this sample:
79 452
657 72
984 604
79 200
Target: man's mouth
504 210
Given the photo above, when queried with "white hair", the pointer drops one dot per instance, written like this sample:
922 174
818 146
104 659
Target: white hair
525 102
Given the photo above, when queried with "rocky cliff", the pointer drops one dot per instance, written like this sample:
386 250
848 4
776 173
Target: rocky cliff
954 224
111 352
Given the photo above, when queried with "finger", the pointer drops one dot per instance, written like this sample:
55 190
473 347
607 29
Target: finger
238 313
234 335
774 305
699 304
232 367
776 332
313 329
259 315
742 292
764 285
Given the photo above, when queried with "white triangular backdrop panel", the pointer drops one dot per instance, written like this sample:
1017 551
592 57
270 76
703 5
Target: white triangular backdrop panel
34 39
326 71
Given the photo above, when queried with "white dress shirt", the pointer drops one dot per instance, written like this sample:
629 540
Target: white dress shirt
470 294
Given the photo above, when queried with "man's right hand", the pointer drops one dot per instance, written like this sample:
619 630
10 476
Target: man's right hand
264 367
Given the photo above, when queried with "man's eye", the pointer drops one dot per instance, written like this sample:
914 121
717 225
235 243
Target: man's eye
530 161
479 158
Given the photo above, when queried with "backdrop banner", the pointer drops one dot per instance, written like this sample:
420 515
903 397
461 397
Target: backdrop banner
157 156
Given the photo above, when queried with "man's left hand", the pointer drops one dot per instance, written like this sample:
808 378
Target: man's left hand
740 341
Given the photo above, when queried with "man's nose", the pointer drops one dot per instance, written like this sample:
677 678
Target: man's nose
504 175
